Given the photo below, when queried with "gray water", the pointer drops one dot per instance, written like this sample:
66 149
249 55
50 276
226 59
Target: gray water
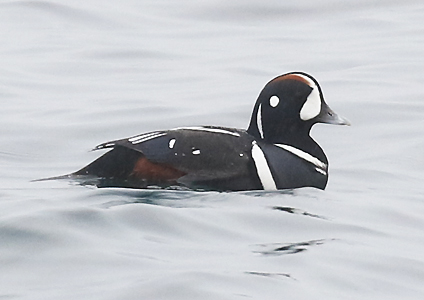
74 74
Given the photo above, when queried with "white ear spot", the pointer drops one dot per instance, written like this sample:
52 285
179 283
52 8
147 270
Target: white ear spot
312 106
171 143
273 101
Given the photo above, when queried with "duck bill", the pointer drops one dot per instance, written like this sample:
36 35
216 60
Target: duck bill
328 116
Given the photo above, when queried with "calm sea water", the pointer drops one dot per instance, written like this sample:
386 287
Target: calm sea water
76 74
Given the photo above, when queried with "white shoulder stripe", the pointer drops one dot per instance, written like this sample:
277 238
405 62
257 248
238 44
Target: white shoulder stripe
306 156
264 173
214 130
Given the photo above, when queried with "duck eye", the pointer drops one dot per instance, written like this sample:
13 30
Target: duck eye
273 101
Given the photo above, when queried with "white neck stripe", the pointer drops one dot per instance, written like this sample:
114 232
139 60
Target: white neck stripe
262 168
304 155
259 121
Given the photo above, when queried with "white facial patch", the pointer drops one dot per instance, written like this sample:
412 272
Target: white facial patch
312 106
273 101
259 121
171 143
262 168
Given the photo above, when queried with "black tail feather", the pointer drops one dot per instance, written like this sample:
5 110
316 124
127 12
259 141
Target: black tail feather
117 163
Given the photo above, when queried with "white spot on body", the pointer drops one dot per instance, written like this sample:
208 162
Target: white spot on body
320 166
196 152
312 106
274 100
259 121
262 168
241 154
171 143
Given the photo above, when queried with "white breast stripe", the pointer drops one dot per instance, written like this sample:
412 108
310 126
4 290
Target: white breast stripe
264 173
321 171
306 156
148 138
259 121
214 130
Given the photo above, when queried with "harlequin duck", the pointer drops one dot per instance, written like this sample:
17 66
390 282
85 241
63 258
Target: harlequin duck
275 152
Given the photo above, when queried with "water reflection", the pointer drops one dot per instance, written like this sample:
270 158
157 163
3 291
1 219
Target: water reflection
154 196
297 211
283 248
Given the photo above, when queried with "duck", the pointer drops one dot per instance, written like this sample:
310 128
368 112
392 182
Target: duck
275 152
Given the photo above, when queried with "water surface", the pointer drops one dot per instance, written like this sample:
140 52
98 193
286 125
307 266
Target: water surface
76 74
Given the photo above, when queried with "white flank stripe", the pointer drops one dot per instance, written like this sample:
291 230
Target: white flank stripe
264 173
142 136
105 145
306 156
148 138
214 130
259 121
